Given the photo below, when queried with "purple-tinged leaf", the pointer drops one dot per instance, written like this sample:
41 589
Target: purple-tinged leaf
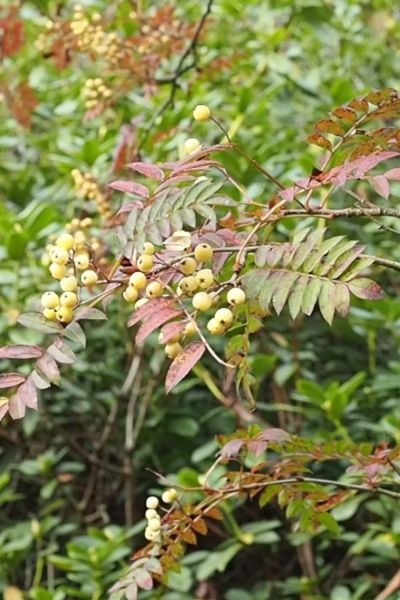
274 434
16 407
21 351
39 323
257 447
130 187
75 333
183 363
148 170
28 393
148 308
153 321
128 207
10 380
366 289
40 380
393 174
61 352
381 186
170 330
232 448
48 366
342 299
143 579
89 314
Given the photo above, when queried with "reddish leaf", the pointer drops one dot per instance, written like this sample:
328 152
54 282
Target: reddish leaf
213 513
130 187
200 526
393 174
345 114
148 170
257 447
274 434
12 33
232 448
16 407
319 140
154 321
27 392
150 306
183 363
359 104
170 330
61 352
381 185
9 380
21 351
129 206
144 579
329 126
189 537
366 289
48 366
124 149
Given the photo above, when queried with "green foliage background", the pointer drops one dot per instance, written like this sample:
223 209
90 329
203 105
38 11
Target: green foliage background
67 525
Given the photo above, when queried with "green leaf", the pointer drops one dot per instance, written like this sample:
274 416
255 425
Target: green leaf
38 322
327 300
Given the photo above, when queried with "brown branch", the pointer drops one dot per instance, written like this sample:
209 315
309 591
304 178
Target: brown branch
392 586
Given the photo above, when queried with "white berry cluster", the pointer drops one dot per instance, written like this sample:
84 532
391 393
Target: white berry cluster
95 93
71 264
90 35
153 529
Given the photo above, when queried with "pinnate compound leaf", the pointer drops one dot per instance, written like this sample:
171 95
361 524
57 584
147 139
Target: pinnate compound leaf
21 351
10 380
38 322
183 363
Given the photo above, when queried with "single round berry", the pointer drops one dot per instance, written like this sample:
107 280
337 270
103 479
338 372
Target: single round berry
131 294
187 266
151 536
81 261
236 296
145 263
191 145
152 502
224 316
69 283
169 496
50 314
60 256
79 238
215 327
138 280
89 277
190 329
57 271
86 222
151 514
205 278
64 314
189 284
202 301
65 241
140 302
201 113
172 350
69 299
154 524
154 289
50 300
203 252
148 248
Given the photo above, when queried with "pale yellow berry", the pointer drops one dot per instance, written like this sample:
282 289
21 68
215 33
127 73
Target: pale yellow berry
151 514
203 252
224 316
86 222
79 238
66 241
138 280
169 496
57 271
89 277
236 296
202 301
191 145
154 289
50 314
154 524
81 261
59 256
141 302
172 349
205 278
189 284
190 329
69 299
151 536
215 327
148 248
50 300
152 502
64 314
145 263
131 294
201 113
45 259
187 266
69 283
